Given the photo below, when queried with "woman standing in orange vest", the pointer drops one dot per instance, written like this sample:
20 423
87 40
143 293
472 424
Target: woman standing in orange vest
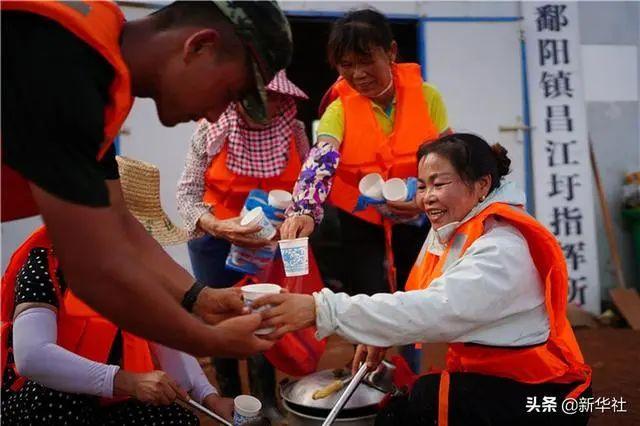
226 160
490 280
63 363
381 113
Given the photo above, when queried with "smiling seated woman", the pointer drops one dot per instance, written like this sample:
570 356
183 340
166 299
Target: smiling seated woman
490 281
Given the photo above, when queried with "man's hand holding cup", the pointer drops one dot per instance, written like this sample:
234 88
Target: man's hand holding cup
215 305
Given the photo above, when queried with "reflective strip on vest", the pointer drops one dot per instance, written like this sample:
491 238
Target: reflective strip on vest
79 6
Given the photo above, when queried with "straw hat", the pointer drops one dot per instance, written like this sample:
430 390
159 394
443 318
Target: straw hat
141 189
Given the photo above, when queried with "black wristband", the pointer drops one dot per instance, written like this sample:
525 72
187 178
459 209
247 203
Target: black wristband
191 295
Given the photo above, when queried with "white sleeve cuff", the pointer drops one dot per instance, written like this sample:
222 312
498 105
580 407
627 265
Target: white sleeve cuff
325 323
109 377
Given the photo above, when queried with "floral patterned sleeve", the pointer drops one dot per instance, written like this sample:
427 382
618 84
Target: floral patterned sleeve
314 182
191 186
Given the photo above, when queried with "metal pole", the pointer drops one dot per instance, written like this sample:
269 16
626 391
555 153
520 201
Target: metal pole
208 412
346 395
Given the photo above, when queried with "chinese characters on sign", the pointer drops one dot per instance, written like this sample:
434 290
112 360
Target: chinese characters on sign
563 182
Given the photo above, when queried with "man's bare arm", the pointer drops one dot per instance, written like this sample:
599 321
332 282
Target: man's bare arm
108 271
211 305
179 280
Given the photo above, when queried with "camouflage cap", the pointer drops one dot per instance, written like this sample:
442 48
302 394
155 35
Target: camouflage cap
266 35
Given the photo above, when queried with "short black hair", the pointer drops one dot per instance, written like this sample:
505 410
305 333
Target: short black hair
181 13
471 156
198 13
358 32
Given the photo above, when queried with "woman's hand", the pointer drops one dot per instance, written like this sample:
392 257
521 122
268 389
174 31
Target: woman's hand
297 227
289 312
232 231
155 387
404 209
372 355
219 405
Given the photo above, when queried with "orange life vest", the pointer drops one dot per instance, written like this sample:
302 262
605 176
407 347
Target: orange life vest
81 330
227 191
366 149
99 24
559 359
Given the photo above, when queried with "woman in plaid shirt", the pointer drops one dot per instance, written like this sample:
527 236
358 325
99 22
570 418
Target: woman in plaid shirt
227 159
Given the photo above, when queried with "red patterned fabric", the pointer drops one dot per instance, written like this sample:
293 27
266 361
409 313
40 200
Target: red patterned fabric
260 152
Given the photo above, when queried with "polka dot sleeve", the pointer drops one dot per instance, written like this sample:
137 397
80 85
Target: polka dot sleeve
33 283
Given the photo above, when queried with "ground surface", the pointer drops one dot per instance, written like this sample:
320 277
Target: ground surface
614 355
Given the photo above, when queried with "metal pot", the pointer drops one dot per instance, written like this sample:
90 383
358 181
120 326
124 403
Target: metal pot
298 399
296 418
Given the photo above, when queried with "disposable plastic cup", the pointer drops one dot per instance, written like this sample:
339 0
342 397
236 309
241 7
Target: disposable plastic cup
279 198
371 186
252 292
246 408
257 217
295 256
395 190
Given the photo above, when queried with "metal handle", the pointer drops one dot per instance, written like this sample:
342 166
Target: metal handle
208 412
357 378
519 126
514 128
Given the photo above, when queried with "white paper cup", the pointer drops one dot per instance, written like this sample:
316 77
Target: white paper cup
371 186
395 190
252 292
280 199
257 217
295 256
246 408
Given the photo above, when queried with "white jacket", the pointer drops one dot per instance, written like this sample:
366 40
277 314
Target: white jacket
492 295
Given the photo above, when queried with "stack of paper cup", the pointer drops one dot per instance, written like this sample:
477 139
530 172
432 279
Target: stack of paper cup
371 186
295 256
246 409
395 189
280 199
255 198
257 217
252 292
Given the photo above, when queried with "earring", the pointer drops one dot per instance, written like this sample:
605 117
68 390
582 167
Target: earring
484 197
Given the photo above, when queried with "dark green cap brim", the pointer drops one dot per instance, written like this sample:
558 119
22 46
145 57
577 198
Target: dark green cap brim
255 102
